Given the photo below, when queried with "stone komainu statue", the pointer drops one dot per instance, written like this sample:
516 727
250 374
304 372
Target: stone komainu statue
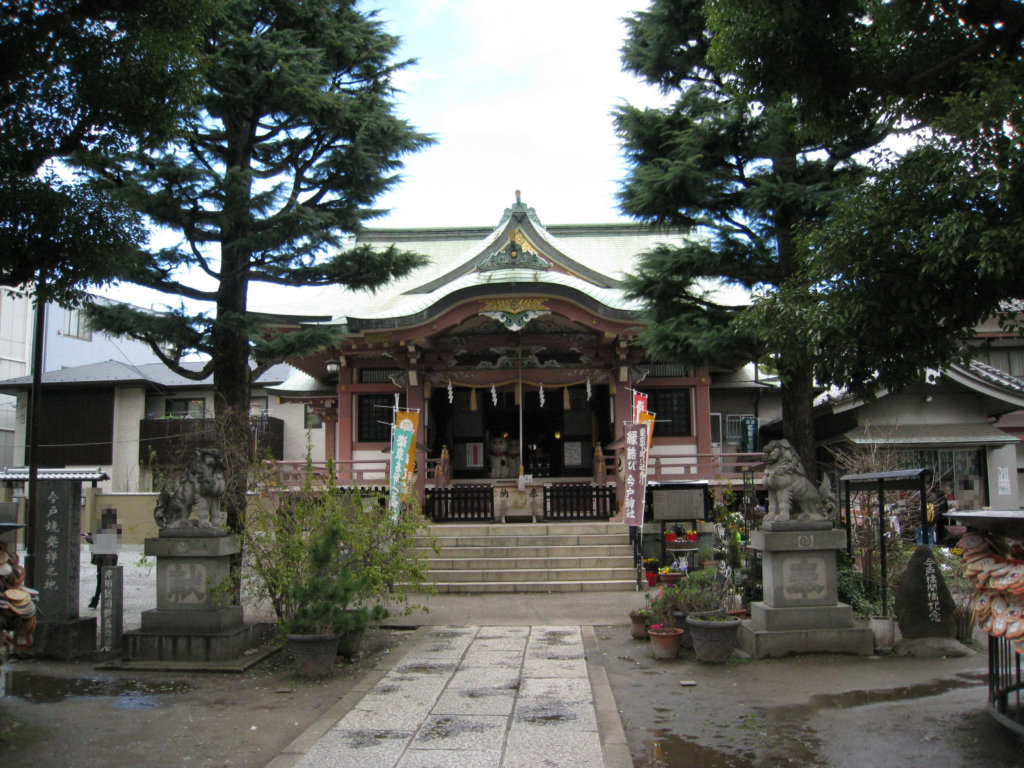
201 485
789 490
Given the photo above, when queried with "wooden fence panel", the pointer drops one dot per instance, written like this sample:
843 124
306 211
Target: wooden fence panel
460 504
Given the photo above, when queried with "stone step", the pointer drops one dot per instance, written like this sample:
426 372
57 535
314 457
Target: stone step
523 541
525 529
513 553
532 575
499 587
528 557
454 563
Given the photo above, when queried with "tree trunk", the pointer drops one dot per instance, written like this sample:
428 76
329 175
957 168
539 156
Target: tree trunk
230 332
798 415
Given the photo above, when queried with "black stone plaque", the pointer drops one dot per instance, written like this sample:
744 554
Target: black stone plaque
111 607
54 559
924 605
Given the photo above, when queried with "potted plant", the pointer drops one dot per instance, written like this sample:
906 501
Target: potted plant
697 595
640 619
713 636
328 561
670 574
665 640
651 565
665 635
324 603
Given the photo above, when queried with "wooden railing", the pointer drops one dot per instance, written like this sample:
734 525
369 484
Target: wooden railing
578 501
293 474
701 466
660 469
460 504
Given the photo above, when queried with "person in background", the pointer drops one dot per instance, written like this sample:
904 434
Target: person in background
104 549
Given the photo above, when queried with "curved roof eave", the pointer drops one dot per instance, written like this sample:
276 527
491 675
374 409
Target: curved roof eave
625 311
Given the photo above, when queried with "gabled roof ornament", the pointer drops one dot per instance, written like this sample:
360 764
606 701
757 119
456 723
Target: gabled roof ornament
518 253
519 209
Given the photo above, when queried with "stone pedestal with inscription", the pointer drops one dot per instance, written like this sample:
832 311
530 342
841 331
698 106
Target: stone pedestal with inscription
801 612
53 569
189 622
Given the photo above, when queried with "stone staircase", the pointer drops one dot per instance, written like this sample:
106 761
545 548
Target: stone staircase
530 557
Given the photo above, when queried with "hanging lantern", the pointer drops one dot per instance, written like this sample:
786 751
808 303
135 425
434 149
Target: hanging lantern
472 399
611 386
518 393
427 389
588 390
566 402
541 394
494 396
451 393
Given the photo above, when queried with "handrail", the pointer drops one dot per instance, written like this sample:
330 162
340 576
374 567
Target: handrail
660 469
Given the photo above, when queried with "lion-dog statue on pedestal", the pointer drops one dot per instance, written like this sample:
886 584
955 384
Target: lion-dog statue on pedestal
201 485
791 496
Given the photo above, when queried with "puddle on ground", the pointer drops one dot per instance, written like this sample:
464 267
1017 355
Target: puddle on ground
48 689
850 699
669 751
782 732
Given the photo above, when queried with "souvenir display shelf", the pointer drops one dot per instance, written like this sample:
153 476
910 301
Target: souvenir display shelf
998 574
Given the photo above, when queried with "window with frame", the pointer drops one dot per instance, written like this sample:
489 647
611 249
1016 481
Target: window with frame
734 427
258 406
375 417
311 419
76 326
185 408
672 412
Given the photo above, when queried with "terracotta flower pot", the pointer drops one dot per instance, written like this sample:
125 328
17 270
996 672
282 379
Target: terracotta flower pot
671 577
637 626
665 642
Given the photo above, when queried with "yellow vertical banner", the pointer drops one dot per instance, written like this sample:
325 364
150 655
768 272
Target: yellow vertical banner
409 421
647 418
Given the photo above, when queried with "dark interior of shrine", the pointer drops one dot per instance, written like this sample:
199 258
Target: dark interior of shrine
484 431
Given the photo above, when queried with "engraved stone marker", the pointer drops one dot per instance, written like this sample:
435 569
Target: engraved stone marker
924 605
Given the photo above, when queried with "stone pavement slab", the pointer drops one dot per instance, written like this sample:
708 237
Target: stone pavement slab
476 697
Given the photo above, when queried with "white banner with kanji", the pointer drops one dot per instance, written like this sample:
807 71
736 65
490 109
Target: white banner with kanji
634 473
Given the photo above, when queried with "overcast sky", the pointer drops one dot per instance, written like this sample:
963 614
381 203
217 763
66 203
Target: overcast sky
519 96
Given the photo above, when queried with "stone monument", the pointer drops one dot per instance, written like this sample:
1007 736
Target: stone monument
193 557
925 608
53 570
801 612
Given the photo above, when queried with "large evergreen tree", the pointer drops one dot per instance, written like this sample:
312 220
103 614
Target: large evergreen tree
746 174
928 243
78 75
294 140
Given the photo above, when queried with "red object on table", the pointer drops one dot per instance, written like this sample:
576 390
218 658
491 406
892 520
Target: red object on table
670 537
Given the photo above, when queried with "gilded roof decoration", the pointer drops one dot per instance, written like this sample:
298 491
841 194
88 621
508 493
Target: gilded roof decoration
518 253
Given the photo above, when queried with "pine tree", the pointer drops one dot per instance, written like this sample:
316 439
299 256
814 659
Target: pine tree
745 175
294 138
78 76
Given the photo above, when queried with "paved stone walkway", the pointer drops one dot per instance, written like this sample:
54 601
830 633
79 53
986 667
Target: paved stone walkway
473 697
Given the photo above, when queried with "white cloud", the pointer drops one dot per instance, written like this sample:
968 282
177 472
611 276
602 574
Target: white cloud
519 97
